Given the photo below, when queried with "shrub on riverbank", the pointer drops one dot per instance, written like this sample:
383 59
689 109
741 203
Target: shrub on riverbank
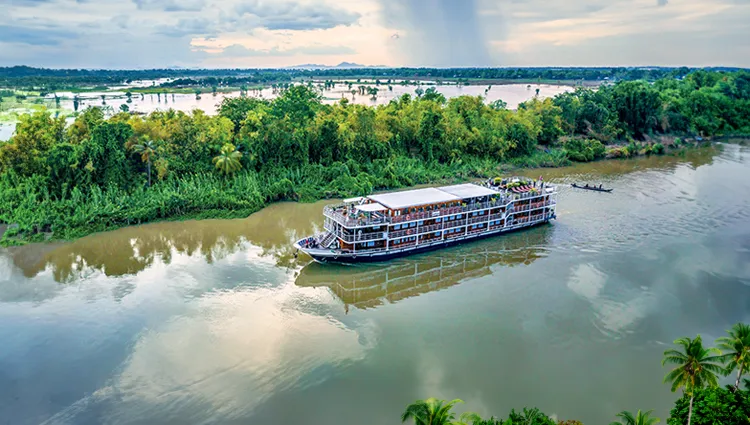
584 150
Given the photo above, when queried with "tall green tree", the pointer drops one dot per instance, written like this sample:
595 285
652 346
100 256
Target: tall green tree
35 135
697 367
430 412
105 157
228 161
431 133
640 418
736 348
637 104
147 150
236 109
63 165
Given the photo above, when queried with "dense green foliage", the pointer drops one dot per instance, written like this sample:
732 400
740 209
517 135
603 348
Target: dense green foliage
104 172
713 406
703 402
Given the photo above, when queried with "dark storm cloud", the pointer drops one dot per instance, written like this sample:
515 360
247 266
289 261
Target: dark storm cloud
290 16
171 5
439 32
34 36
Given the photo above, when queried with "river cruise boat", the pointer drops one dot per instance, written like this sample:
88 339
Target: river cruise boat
389 225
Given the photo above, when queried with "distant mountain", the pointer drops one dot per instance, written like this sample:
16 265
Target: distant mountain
342 65
350 65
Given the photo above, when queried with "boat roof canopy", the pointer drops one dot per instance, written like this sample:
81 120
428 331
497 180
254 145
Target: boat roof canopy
371 207
431 195
468 190
353 200
413 198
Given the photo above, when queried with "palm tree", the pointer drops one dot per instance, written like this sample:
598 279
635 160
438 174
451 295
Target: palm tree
736 349
228 161
147 150
697 367
641 418
430 412
468 418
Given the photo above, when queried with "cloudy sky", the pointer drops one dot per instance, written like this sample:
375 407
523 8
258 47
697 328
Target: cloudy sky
271 33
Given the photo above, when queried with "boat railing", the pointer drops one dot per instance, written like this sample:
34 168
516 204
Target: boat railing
364 237
334 212
480 219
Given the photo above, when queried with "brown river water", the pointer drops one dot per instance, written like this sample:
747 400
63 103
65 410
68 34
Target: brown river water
216 321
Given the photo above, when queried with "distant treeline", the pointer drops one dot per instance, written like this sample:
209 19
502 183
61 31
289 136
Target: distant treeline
56 79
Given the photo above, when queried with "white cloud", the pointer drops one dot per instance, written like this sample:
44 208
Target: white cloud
154 33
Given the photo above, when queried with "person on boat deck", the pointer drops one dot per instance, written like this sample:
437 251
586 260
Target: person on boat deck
587 185
600 186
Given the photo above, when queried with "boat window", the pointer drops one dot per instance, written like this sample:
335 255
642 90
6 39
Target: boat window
437 233
398 226
420 222
437 220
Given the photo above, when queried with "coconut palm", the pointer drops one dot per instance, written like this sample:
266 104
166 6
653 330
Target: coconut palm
641 418
697 367
430 412
468 418
147 150
228 161
736 348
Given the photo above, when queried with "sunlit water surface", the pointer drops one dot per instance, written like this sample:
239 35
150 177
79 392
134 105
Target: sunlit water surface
216 322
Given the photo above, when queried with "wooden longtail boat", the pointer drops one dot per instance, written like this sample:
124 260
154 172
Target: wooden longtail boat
594 188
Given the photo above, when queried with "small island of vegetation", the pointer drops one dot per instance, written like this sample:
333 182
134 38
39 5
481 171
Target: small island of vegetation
696 372
101 172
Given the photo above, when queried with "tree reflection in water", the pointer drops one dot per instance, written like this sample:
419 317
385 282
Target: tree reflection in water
131 250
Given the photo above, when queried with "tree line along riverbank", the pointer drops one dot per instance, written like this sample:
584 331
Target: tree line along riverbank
64 181
695 370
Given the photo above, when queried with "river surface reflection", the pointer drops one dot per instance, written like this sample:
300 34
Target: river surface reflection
216 321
